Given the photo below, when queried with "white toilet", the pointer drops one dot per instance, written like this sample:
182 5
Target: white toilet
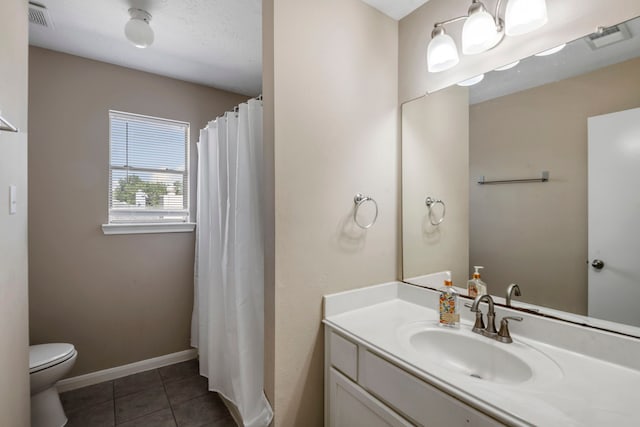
48 363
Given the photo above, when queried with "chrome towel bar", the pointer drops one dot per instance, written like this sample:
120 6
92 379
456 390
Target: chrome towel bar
543 178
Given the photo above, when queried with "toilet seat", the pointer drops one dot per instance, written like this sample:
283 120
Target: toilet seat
44 356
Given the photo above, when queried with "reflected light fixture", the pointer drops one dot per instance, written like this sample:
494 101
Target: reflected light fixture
508 66
483 31
472 81
552 50
137 29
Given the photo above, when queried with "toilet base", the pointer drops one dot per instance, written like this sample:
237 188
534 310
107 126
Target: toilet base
46 409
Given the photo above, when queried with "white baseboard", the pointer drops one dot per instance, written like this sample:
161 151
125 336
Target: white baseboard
124 370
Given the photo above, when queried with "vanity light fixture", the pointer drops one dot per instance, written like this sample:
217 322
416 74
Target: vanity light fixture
442 52
524 16
472 81
483 31
552 50
137 29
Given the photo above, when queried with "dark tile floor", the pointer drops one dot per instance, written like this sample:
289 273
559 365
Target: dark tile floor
172 396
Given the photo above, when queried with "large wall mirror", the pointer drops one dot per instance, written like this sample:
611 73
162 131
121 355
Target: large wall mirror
537 167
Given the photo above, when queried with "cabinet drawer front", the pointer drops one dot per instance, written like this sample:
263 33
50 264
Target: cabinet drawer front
344 355
414 398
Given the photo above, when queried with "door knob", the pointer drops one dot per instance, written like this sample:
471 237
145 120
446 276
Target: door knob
598 264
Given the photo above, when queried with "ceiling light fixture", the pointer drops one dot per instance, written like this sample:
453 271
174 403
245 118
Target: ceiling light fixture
137 29
483 31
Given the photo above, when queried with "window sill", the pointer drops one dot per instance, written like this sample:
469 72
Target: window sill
181 227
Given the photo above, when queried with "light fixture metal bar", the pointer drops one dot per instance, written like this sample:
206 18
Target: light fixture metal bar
6 126
450 21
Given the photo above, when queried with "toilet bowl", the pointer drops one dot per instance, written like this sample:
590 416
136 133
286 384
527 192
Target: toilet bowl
48 363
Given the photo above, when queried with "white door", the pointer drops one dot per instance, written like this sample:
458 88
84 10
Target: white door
614 217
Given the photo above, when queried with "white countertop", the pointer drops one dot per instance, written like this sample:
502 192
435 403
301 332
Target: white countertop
587 392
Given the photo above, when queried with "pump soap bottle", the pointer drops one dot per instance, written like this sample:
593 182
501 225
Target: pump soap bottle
449 315
475 286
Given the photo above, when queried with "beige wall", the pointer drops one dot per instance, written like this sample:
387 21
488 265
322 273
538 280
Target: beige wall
336 123
435 163
568 20
532 234
118 299
14 344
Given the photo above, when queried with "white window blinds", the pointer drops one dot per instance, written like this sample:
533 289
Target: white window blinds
148 170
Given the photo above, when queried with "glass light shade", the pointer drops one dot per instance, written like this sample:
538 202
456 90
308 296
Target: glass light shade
442 53
472 81
138 32
524 16
552 50
508 66
479 33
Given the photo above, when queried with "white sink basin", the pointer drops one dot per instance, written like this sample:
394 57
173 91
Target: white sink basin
472 355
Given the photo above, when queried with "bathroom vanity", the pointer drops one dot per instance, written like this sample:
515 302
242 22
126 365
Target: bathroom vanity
388 363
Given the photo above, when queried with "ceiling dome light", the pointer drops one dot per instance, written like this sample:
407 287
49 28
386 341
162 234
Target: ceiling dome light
524 16
472 81
479 32
552 50
508 66
137 30
442 53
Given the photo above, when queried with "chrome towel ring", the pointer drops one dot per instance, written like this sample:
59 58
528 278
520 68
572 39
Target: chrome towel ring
430 202
359 200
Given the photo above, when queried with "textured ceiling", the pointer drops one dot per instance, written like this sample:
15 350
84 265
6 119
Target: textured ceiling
396 9
217 43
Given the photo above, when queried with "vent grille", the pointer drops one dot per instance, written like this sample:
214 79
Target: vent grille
608 36
39 15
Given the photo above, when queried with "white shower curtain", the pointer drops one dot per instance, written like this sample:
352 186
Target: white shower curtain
228 316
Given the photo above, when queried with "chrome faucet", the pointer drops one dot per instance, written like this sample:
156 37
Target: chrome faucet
512 290
490 330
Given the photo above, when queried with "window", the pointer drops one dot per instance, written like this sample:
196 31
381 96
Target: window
148 170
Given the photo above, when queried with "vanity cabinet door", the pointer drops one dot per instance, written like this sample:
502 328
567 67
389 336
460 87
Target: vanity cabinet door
351 406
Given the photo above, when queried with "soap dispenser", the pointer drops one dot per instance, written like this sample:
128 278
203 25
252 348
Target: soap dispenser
475 286
449 316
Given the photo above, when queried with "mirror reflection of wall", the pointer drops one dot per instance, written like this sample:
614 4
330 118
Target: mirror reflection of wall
531 118
538 232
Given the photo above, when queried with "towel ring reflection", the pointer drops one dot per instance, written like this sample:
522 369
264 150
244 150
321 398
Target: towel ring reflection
359 200
430 202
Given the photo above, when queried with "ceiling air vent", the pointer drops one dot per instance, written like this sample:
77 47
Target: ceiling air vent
39 15
607 36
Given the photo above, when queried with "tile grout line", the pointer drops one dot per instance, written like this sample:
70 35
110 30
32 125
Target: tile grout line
151 413
113 393
164 386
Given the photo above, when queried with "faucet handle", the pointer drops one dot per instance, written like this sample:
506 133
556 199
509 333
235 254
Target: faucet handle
478 326
504 335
